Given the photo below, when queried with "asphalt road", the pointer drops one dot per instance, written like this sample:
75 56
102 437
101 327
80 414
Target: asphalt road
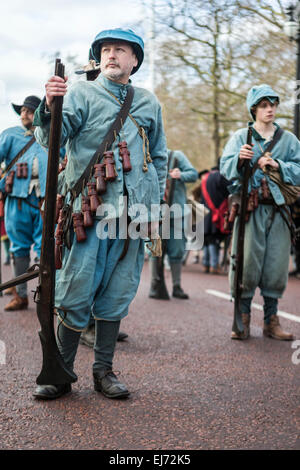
192 387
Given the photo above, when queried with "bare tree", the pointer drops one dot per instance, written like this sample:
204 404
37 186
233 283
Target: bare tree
211 52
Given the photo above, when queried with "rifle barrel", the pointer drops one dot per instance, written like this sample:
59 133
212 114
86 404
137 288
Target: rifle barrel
20 279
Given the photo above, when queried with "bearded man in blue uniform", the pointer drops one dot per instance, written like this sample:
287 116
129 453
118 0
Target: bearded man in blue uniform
27 186
92 277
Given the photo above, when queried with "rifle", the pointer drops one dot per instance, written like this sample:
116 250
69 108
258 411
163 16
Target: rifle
237 326
163 291
54 370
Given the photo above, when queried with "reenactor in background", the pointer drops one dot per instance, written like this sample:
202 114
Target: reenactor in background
214 194
23 188
267 241
183 173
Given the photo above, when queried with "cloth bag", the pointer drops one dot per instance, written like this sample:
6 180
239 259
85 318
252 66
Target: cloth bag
289 192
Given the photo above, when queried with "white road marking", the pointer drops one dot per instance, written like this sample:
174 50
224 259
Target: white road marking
280 313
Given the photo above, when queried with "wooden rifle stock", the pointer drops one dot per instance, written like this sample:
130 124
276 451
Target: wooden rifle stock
54 370
237 326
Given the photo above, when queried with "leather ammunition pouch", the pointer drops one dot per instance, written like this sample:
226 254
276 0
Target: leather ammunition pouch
106 144
233 198
17 157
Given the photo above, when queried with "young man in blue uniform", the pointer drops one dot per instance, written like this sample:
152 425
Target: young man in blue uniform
23 220
267 236
93 278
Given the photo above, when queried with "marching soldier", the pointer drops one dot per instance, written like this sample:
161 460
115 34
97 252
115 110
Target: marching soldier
267 233
183 173
23 187
102 275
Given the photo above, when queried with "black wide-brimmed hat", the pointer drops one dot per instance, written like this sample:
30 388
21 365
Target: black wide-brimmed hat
31 102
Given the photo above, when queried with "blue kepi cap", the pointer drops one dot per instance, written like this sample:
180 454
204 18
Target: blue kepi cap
258 93
119 34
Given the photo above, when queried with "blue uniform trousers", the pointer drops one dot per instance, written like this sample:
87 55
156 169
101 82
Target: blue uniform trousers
177 241
24 225
93 280
267 247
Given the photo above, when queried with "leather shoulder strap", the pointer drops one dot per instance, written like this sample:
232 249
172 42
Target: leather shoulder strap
270 147
274 141
106 143
18 156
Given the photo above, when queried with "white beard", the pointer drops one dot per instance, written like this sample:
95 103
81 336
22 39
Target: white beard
114 75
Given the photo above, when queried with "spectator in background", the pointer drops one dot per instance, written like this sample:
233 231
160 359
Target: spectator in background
214 194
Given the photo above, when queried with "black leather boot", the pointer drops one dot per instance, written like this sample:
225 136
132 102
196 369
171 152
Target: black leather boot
106 382
50 392
122 336
179 293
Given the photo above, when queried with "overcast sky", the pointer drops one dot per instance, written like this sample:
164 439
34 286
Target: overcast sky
32 31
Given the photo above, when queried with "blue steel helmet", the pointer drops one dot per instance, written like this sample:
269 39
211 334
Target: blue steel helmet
119 34
257 93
